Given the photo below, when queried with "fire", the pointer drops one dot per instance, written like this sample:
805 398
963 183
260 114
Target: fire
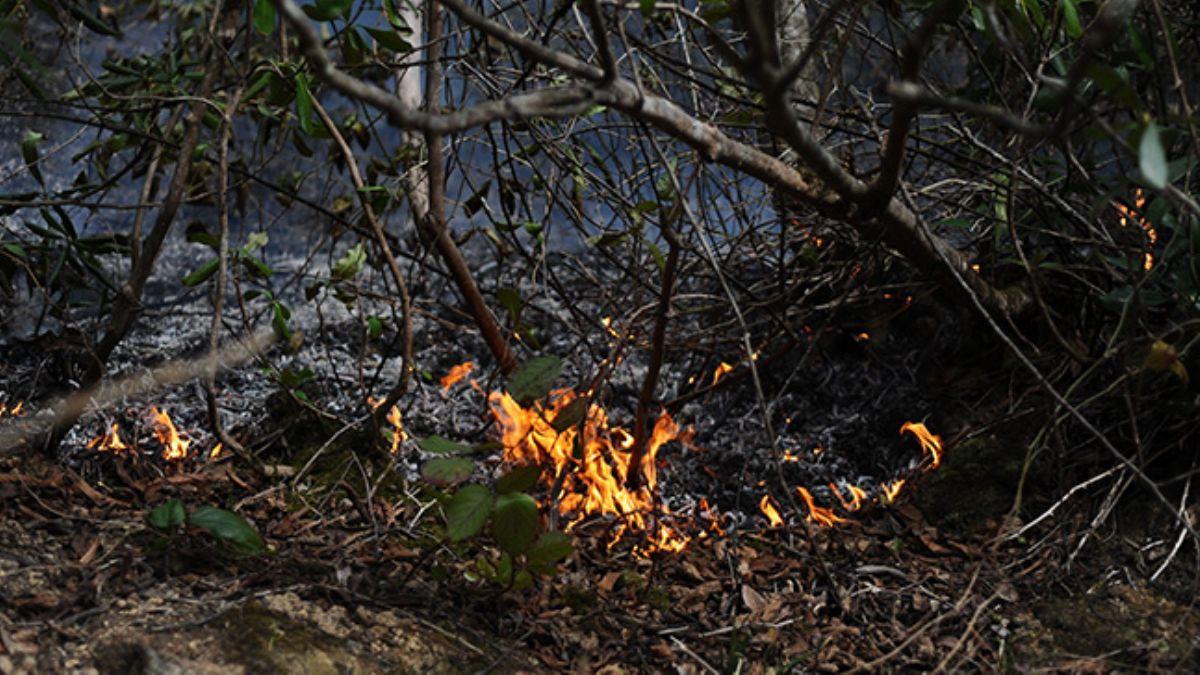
109 441
770 511
1128 214
721 371
394 418
456 374
216 451
15 411
175 448
857 495
819 514
930 443
892 490
594 467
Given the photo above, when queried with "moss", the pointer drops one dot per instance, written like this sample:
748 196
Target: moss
266 642
975 483
1121 624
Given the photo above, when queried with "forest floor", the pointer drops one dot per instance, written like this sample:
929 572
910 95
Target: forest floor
84 587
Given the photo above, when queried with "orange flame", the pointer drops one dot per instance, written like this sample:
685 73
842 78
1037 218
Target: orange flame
892 490
721 371
594 480
856 496
456 374
394 418
216 451
1128 214
15 411
175 448
819 514
930 443
769 510
109 441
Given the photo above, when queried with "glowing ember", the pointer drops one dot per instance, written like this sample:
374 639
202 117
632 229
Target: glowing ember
892 490
1128 214
769 510
721 371
930 443
863 336
857 495
175 448
819 514
397 433
456 374
15 411
109 441
594 482
790 457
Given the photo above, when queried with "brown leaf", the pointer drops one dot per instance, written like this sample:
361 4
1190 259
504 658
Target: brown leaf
753 599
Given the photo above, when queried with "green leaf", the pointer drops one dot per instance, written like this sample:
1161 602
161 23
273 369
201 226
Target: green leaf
304 107
390 40
1071 19
229 528
349 264
167 516
467 511
510 298
447 470
515 521
571 415
442 446
550 548
1152 159
534 378
201 274
647 7
520 479
29 153
264 16
374 327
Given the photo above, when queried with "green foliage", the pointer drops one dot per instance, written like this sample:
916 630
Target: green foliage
235 535
534 378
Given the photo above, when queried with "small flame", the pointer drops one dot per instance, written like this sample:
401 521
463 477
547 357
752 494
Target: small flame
769 510
930 443
721 371
109 441
594 481
15 411
856 496
216 451
789 456
892 490
819 514
863 336
394 418
175 448
1128 214
456 374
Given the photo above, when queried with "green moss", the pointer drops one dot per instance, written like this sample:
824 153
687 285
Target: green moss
975 483
265 642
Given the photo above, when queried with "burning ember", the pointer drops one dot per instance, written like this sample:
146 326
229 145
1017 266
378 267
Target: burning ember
1128 214
930 443
819 514
593 467
857 495
397 433
175 448
892 490
456 374
721 371
15 411
769 510
109 441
